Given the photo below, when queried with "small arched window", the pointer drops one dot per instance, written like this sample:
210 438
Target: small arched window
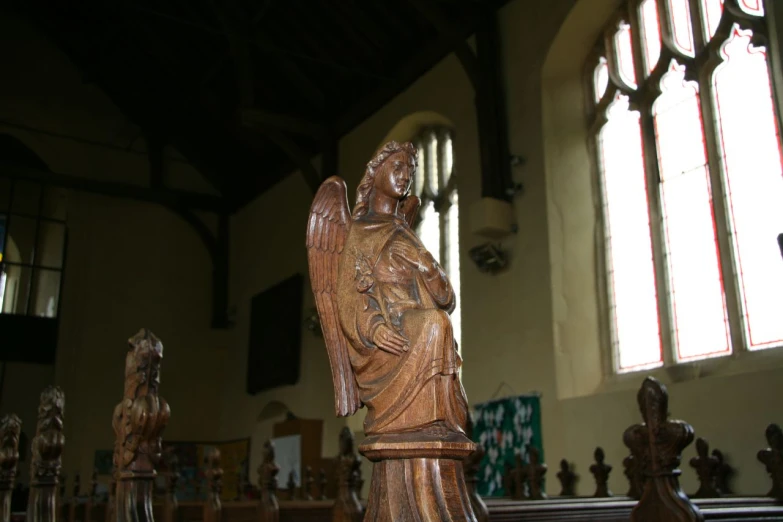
438 223
32 247
689 155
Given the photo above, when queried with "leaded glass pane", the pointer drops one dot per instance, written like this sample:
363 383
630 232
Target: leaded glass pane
750 146
629 248
696 287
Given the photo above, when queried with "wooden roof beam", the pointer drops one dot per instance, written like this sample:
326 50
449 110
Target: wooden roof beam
454 34
252 117
167 197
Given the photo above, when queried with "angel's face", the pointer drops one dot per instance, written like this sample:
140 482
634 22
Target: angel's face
395 176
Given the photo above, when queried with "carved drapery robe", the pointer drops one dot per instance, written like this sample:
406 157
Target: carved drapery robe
421 386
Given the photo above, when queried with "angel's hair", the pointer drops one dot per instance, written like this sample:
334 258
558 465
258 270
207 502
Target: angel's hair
365 186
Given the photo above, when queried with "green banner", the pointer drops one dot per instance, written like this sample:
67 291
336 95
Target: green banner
504 428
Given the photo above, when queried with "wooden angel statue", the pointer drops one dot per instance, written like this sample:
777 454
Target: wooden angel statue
384 302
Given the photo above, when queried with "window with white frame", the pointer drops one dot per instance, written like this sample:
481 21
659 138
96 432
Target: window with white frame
686 139
438 223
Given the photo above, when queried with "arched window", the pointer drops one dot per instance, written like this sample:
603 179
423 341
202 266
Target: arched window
32 247
688 148
438 223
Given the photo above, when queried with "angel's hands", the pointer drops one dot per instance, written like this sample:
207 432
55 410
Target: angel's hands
390 341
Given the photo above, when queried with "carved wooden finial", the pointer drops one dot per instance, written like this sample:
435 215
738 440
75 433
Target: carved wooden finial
214 474
138 422
63 479
347 507
77 480
471 466
567 479
47 449
706 467
358 480
534 472
518 480
724 473
10 431
601 471
94 483
170 503
632 469
111 503
307 484
658 444
322 484
508 480
772 458
291 485
267 480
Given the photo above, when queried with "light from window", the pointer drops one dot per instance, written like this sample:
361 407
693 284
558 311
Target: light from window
452 263
429 229
2 286
438 224
701 250
696 288
625 55
632 278
750 144
711 11
752 7
651 33
681 26
600 79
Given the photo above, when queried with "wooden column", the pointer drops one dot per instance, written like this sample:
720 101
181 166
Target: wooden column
72 506
47 448
471 466
268 508
91 498
10 429
772 458
138 422
213 509
347 507
111 502
490 102
170 504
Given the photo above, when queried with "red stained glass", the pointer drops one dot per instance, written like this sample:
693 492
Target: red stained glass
651 33
631 277
711 11
750 145
681 26
696 287
624 54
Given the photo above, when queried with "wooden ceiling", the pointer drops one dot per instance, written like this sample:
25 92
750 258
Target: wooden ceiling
249 91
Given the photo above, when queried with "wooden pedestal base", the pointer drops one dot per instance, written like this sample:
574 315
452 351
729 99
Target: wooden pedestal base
418 477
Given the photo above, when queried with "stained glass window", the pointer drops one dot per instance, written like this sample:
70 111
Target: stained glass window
629 253
714 189
438 222
750 146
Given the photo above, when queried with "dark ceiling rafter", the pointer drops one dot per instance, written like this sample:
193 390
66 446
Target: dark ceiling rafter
249 92
162 196
454 33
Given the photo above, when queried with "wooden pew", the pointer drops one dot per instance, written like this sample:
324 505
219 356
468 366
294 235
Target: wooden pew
658 441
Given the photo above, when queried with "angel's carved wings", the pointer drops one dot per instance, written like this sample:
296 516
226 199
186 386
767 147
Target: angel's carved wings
327 229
